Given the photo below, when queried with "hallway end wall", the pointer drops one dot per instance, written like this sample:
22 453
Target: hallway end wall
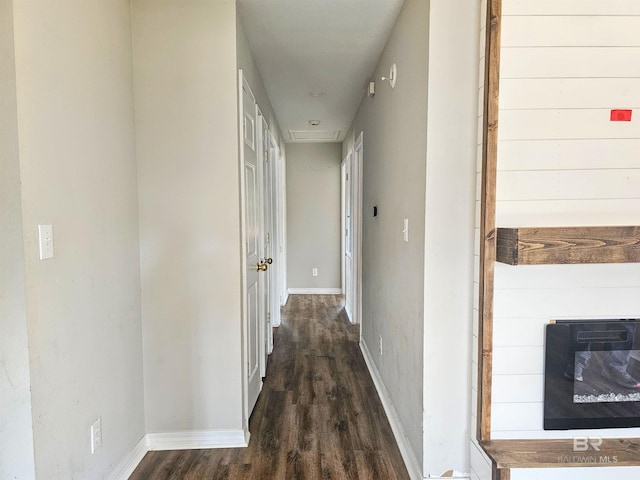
313 220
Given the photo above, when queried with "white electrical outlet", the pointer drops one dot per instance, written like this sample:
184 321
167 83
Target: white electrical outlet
380 343
314 272
96 435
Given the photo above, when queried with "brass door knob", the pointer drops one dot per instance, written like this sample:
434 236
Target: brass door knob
268 260
262 267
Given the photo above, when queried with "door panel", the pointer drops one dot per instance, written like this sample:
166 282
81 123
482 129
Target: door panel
252 207
348 244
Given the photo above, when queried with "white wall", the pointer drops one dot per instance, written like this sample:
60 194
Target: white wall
449 231
16 438
77 168
395 150
185 76
313 214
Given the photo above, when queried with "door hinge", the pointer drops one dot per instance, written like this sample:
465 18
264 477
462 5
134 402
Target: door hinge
266 157
347 177
267 238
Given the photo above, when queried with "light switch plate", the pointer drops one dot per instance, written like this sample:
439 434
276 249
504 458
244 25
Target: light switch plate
405 229
45 241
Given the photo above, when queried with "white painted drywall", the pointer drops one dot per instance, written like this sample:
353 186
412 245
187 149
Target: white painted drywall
185 77
247 63
78 173
395 151
16 438
449 231
313 214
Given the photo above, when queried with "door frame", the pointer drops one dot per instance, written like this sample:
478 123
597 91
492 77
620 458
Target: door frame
276 232
265 284
357 163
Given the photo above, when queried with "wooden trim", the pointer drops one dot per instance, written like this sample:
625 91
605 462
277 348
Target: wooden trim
500 473
562 453
568 245
488 215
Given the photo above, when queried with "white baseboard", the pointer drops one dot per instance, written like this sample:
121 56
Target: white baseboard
197 439
129 463
410 460
314 291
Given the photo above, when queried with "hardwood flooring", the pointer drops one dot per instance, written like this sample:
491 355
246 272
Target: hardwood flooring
318 416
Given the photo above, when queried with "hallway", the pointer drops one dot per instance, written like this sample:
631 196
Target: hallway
318 416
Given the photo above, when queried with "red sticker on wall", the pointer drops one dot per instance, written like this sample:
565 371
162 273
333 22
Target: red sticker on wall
620 115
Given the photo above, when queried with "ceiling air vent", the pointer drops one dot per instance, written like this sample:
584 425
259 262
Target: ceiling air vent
314 136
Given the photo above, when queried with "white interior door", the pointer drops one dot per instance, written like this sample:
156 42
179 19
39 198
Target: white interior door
267 221
271 250
356 229
254 308
348 236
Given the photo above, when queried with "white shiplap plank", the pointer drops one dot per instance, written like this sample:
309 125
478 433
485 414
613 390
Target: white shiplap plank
568 62
581 154
517 389
519 332
584 473
564 124
558 93
571 31
570 7
516 416
534 277
557 213
518 361
568 184
568 303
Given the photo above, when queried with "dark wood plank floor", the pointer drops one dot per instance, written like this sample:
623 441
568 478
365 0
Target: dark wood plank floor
318 416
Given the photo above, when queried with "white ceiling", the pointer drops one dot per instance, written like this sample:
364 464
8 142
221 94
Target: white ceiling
329 46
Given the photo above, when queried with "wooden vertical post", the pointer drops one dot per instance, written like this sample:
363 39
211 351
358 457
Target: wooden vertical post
500 473
488 215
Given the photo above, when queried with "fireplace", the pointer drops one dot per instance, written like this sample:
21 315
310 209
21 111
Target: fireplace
592 374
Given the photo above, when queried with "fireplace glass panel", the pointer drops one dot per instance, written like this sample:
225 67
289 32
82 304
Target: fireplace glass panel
592 374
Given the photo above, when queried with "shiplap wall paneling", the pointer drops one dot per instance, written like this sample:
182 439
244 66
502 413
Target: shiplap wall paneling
558 213
570 7
567 124
570 31
570 62
572 154
560 93
590 473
